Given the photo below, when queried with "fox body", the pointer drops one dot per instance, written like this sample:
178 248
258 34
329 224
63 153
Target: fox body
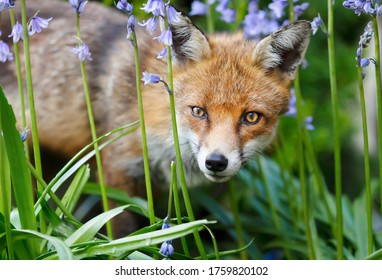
229 93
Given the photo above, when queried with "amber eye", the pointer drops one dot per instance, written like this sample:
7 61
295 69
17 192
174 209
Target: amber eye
198 112
252 118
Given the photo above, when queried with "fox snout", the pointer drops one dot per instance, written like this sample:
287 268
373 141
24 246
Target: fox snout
216 167
216 162
219 165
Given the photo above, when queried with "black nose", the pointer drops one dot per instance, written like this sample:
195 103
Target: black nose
216 162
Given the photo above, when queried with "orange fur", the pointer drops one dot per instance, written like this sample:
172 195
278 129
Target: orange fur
224 75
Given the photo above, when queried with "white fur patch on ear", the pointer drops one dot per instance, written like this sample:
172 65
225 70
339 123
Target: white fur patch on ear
189 43
284 49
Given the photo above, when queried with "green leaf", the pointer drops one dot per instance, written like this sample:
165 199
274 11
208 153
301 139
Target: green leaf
74 191
90 229
117 195
63 250
22 183
131 243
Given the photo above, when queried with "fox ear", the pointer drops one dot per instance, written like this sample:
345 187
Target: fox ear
189 43
284 49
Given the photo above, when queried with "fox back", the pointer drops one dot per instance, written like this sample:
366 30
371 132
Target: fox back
229 93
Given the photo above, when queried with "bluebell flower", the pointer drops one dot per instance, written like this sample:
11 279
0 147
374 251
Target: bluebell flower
82 51
156 7
36 24
316 23
223 5
198 8
5 53
165 37
308 123
130 26
6 4
253 6
228 15
124 6
78 5
165 224
162 53
364 42
278 7
370 7
172 15
378 10
24 134
149 78
258 24
151 24
292 110
166 248
17 32
367 35
299 9
364 62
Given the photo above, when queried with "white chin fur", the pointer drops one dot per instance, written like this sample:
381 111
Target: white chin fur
217 179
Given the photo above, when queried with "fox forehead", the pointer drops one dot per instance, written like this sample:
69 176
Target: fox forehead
230 77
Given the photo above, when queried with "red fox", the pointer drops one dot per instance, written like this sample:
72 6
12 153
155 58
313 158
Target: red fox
229 92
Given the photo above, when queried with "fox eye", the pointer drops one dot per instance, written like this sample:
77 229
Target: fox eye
252 118
198 112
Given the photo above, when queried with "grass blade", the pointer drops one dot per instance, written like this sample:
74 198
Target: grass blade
22 183
131 243
89 229
63 251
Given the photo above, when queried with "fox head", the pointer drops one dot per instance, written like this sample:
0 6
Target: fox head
231 92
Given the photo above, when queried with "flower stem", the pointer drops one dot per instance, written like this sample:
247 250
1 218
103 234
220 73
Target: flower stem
336 131
146 164
32 109
236 217
19 82
210 19
366 163
178 211
379 98
5 195
179 161
94 135
300 153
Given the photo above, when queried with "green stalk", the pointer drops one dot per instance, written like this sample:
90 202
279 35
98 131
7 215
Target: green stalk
236 218
336 131
32 110
300 152
275 215
21 179
94 135
367 163
289 186
19 82
146 164
178 211
179 161
51 193
5 195
379 99
210 19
